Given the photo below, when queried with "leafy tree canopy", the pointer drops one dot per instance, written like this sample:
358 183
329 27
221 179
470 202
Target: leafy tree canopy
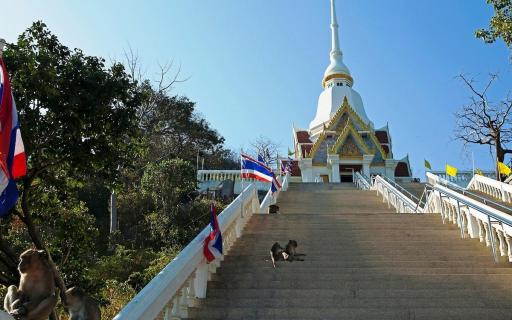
500 25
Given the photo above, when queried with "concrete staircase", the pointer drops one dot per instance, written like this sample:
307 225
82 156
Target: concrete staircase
363 262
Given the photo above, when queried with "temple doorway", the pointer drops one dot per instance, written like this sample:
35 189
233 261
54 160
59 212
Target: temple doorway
347 172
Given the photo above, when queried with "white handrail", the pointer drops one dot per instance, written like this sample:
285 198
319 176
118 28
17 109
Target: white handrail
361 182
185 278
494 188
394 197
473 218
270 198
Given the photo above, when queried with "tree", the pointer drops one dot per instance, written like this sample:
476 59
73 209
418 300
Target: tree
483 122
500 25
268 149
78 117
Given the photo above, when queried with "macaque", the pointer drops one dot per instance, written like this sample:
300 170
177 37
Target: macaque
80 306
291 251
277 253
35 297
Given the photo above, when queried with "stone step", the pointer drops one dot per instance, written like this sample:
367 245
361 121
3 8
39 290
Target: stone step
384 282
363 261
270 273
253 265
469 301
333 313
322 294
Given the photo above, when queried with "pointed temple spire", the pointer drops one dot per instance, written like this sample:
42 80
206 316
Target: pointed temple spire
336 69
334 27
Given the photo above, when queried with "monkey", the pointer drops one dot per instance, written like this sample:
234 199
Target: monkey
35 298
277 253
291 251
80 306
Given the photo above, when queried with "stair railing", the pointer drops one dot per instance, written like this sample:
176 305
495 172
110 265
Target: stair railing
394 197
270 198
361 182
402 189
433 179
475 219
184 280
494 188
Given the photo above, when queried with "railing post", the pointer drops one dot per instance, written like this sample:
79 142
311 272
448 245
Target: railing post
459 216
201 281
491 236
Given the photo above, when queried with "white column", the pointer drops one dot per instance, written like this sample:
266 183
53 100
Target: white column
390 168
334 161
367 159
306 169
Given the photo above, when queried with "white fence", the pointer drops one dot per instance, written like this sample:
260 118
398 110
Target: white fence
494 188
474 219
394 197
184 280
211 178
361 182
463 177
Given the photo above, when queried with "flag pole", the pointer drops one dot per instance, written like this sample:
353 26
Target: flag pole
242 185
473 160
2 46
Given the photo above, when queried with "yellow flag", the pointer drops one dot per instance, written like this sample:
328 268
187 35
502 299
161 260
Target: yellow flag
504 169
427 165
478 171
451 171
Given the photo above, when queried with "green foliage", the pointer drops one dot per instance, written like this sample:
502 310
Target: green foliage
118 294
89 128
76 113
168 182
121 264
500 25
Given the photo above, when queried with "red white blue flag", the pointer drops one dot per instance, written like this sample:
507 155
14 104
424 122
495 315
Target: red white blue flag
13 164
275 185
254 169
212 248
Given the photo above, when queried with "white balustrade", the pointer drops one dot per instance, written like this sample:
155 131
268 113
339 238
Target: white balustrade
211 178
394 197
361 182
184 280
492 187
462 178
474 219
270 198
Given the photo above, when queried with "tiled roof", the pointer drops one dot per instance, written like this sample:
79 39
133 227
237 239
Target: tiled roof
306 148
402 170
382 136
303 137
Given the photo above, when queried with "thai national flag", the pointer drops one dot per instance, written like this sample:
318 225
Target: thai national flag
275 185
212 248
13 164
252 168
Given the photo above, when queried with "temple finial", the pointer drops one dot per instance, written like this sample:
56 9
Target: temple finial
334 27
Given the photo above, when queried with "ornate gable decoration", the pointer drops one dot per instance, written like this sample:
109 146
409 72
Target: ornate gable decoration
348 128
345 108
342 138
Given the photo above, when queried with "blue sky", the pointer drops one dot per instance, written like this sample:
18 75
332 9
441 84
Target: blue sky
256 67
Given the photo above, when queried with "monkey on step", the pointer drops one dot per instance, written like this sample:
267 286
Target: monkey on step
80 306
288 254
35 298
291 251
